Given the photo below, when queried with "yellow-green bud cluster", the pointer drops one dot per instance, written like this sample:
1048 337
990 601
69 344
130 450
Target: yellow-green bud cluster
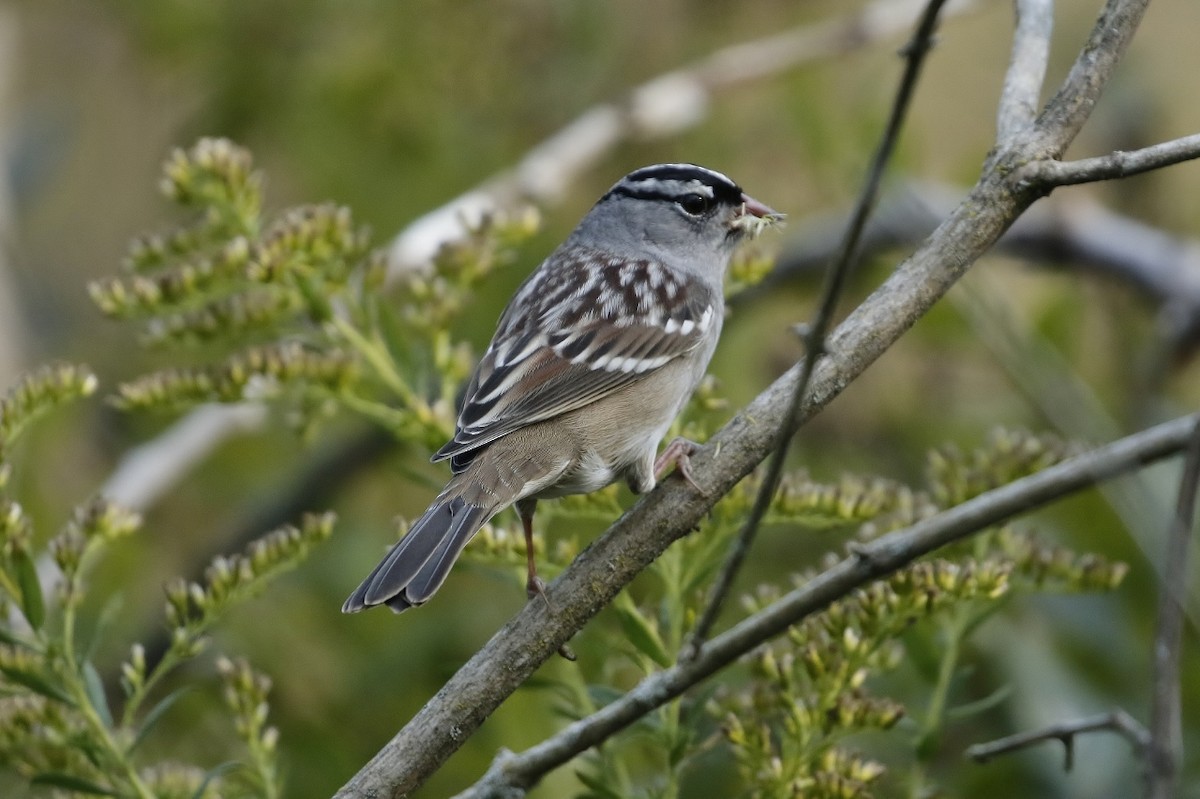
40 391
257 309
749 267
823 772
15 527
1048 566
263 367
183 284
319 241
801 500
169 780
954 476
133 671
214 172
245 692
40 735
841 775
93 524
431 299
191 607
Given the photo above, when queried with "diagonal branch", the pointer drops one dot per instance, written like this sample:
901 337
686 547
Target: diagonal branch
872 561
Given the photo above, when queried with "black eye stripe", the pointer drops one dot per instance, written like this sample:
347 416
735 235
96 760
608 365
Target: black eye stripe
648 193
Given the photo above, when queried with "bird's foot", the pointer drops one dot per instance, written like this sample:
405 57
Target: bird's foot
678 454
536 587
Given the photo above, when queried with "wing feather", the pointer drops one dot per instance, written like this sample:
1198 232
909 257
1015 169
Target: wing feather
574 334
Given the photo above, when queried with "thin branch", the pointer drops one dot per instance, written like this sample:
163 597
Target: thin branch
872 561
1065 114
915 51
1117 721
1119 164
1020 97
1166 737
1071 230
664 106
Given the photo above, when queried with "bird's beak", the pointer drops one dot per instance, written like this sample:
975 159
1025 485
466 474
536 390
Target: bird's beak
755 208
753 218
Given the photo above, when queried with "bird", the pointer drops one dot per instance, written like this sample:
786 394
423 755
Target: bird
595 355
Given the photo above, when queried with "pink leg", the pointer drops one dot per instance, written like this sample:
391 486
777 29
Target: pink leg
534 585
677 454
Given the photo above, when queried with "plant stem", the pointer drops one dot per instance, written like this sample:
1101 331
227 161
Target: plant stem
75 685
376 354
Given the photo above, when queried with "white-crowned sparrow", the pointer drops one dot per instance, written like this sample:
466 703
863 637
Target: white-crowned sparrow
592 360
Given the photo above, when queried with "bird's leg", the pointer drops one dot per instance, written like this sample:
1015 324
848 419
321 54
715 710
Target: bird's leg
677 454
534 585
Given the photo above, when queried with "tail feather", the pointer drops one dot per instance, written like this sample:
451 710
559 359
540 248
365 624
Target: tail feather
418 564
452 521
433 573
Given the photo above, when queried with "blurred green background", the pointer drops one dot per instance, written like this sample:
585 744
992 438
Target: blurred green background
393 109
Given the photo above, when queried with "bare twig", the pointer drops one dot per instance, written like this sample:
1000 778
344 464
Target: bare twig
915 51
1165 750
510 774
1067 111
1020 97
1071 230
1117 721
1119 164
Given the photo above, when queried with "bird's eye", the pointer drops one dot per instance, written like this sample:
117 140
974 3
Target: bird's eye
694 204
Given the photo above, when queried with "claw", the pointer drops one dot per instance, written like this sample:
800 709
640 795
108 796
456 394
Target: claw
678 454
534 587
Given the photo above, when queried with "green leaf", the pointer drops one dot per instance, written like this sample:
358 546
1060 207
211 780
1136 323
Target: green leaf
216 772
108 614
640 632
12 639
32 604
980 705
36 683
91 748
157 713
596 785
95 693
603 695
70 782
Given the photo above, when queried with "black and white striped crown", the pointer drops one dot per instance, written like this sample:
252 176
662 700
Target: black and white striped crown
671 181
